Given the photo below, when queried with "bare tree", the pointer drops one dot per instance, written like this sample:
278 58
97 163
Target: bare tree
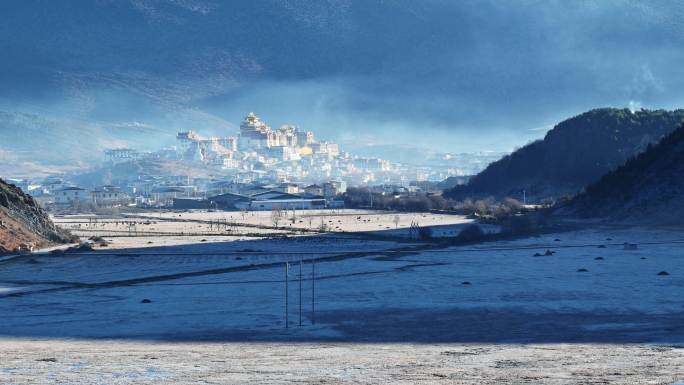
276 216
323 227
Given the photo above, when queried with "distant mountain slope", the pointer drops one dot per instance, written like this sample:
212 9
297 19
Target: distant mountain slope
648 188
117 173
23 224
575 153
33 144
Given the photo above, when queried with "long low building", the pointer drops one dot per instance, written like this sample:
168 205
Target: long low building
191 204
285 204
267 200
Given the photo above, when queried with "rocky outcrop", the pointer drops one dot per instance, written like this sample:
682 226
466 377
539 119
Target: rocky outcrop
24 225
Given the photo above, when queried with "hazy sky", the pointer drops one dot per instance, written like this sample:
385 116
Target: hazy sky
459 75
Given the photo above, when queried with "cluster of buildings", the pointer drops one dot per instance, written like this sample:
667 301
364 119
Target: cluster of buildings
261 154
260 168
237 196
184 193
55 191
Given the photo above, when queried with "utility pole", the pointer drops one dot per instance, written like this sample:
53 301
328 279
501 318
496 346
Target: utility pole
301 263
313 291
287 267
524 197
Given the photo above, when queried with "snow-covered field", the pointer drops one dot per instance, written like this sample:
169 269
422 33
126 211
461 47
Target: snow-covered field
385 311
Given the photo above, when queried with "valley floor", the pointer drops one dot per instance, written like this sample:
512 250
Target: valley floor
373 309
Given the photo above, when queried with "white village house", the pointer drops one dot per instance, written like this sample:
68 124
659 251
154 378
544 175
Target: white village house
70 195
109 195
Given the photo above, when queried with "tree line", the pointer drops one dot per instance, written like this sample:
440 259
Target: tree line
362 197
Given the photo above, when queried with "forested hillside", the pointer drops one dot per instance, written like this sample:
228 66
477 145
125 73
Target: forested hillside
649 188
575 153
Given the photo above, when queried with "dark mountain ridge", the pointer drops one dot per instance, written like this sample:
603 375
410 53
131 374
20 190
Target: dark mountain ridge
575 153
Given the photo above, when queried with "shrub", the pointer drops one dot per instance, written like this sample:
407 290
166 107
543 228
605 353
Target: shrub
471 233
425 233
521 224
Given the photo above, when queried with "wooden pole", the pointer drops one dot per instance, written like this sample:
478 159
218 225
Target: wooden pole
300 289
287 267
313 291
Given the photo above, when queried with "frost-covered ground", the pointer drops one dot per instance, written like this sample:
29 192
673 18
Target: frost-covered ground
389 311
339 219
176 228
125 362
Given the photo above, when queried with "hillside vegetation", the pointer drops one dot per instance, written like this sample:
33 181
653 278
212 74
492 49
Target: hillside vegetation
648 188
575 153
23 224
